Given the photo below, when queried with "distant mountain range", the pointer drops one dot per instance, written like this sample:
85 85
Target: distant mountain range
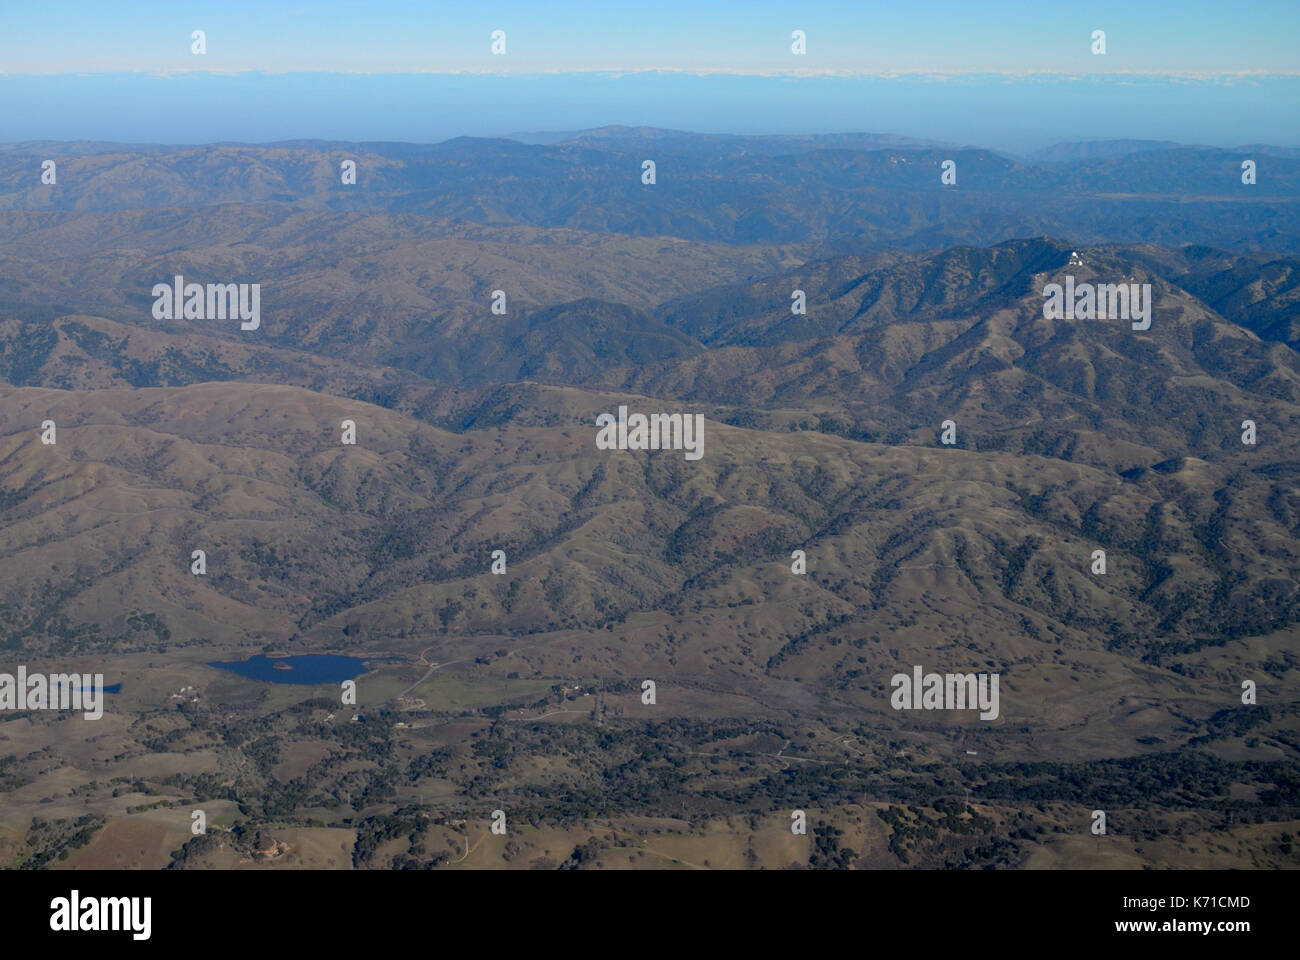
867 191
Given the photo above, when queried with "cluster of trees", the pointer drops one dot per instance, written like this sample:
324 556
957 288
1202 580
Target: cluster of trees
827 853
374 832
51 840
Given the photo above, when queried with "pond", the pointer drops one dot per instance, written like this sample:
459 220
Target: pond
310 668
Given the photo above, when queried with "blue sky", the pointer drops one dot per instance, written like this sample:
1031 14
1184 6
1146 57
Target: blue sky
1011 75
868 36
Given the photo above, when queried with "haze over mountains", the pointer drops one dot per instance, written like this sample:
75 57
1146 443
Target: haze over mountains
476 430
713 189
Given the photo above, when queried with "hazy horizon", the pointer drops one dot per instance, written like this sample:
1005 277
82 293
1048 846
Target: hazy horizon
995 112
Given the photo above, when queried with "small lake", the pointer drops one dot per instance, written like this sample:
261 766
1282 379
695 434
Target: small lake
309 668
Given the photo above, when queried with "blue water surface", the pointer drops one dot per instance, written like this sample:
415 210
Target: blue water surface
306 669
